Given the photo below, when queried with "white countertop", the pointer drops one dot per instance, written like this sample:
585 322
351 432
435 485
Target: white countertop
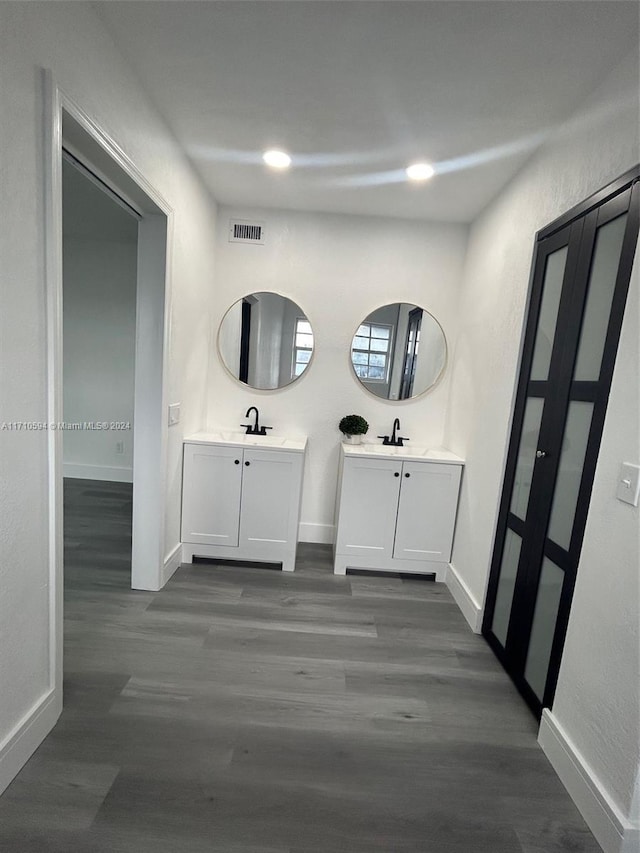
241 439
415 453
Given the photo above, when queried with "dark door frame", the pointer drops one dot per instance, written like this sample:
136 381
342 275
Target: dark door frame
575 228
245 337
414 324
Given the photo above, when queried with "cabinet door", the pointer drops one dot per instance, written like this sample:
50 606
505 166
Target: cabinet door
368 507
427 511
270 495
211 485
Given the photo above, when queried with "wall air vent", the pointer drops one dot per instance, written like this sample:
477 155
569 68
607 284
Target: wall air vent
241 231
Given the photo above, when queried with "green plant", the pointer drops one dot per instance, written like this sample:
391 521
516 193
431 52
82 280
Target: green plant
353 425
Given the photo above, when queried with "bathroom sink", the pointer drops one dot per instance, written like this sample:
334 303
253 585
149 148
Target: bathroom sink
244 438
241 439
226 436
385 451
270 440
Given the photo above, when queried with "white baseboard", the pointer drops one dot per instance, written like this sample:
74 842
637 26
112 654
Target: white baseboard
171 563
471 609
322 534
110 473
613 832
23 740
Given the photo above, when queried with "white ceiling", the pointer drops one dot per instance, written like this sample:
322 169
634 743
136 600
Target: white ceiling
356 91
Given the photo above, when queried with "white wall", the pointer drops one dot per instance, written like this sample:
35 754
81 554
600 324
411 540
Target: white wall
338 269
99 322
99 350
69 40
597 695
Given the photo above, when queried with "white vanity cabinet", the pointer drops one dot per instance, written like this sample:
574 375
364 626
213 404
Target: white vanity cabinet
241 498
396 511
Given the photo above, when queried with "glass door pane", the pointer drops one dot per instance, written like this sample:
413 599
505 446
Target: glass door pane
506 586
544 626
553 277
526 456
602 283
574 448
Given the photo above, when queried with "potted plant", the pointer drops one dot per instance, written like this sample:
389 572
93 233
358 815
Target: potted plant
353 427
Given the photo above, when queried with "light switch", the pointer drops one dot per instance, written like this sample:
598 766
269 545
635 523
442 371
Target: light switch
629 483
174 413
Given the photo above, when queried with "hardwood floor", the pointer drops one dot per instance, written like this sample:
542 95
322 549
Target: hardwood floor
243 710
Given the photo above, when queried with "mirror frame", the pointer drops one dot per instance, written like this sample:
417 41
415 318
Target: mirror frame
246 384
431 387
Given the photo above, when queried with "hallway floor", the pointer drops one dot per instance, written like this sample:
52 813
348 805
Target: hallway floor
242 710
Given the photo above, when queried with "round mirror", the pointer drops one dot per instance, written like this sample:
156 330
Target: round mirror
399 351
265 341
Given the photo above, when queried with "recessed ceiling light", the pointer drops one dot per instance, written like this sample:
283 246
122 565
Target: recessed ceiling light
276 159
420 172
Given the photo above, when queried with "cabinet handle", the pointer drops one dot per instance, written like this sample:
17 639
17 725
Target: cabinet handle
236 461
247 463
407 475
397 474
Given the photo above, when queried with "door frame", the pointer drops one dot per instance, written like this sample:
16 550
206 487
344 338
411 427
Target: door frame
97 150
406 384
576 267
245 338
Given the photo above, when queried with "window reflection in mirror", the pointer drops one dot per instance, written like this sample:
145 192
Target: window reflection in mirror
265 341
399 351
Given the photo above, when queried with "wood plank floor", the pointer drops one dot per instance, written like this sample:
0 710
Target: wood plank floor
243 710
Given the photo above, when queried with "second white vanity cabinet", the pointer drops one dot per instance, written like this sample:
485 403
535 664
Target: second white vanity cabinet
395 512
241 498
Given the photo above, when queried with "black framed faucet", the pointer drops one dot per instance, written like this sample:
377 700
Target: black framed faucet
255 428
395 440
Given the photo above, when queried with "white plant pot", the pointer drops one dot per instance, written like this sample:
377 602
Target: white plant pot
353 439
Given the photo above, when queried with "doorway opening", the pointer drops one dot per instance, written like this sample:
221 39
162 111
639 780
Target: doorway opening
104 164
100 243
77 142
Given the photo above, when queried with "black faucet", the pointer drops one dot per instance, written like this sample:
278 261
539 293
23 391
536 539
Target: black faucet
395 440
255 429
